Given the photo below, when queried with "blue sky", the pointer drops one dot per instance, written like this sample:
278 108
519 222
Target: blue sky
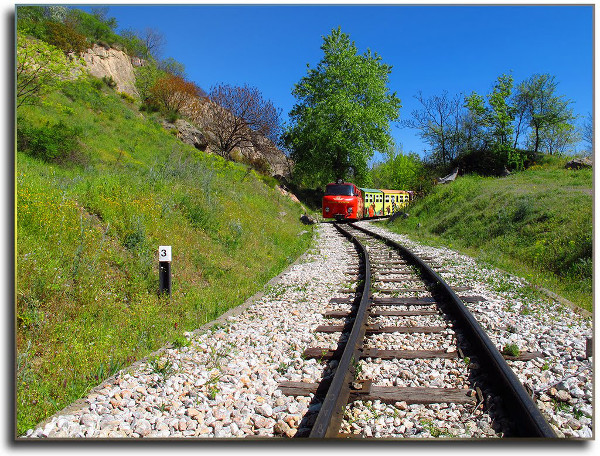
431 48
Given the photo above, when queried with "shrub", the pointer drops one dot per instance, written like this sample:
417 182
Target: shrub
96 83
261 165
65 37
109 81
57 143
125 96
171 93
171 116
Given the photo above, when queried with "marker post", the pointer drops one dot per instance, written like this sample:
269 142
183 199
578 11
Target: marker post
164 270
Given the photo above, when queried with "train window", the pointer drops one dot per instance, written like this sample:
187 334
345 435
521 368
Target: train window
338 189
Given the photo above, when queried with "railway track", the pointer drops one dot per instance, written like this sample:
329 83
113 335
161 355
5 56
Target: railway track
399 295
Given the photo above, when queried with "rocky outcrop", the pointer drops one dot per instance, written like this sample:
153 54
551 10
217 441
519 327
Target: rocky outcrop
102 62
187 133
112 63
202 113
578 163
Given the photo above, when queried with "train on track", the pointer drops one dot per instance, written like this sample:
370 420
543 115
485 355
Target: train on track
346 201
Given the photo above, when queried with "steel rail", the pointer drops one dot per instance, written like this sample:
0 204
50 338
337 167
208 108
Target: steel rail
329 418
525 415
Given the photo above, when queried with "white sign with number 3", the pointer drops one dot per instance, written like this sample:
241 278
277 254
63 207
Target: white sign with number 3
164 253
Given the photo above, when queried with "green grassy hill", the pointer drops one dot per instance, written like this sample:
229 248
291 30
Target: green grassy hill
536 223
99 187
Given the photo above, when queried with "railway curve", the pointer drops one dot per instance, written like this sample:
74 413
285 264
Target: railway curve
226 384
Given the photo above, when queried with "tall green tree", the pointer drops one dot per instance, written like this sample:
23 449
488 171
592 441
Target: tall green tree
501 113
549 115
342 115
401 171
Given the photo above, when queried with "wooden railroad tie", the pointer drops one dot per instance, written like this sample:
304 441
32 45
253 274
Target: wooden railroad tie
419 301
378 329
398 279
523 356
329 354
380 313
406 301
458 289
399 290
397 272
389 394
396 263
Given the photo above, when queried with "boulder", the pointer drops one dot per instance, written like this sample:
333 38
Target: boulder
579 163
307 220
187 133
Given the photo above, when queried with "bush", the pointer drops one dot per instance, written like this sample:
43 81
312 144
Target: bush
109 81
488 162
96 84
65 37
171 116
125 96
261 165
52 143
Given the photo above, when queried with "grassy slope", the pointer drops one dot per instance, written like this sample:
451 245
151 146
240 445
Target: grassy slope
536 223
87 239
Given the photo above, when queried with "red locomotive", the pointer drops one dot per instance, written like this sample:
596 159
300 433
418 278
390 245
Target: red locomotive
342 201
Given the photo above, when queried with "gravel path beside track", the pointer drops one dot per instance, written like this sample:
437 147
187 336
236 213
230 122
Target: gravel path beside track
224 384
510 315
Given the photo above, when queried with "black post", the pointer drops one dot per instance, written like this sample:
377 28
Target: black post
164 277
164 270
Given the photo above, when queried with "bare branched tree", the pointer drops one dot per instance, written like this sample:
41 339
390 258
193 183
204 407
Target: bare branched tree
439 122
235 115
588 132
153 41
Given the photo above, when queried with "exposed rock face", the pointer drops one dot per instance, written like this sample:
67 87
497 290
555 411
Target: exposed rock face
578 163
103 62
264 147
188 133
200 112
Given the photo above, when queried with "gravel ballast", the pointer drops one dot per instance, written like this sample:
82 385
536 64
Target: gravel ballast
224 384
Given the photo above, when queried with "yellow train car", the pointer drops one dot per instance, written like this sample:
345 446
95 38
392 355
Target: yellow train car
394 200
373 202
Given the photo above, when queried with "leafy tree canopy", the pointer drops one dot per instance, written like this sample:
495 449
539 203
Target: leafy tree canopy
402 171
41 68
343 114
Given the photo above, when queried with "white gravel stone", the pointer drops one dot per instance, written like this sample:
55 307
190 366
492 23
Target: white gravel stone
224 384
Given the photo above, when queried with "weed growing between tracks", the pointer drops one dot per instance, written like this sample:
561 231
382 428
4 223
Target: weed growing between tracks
87 240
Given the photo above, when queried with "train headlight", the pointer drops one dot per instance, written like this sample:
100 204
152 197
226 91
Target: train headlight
349 210
326 209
